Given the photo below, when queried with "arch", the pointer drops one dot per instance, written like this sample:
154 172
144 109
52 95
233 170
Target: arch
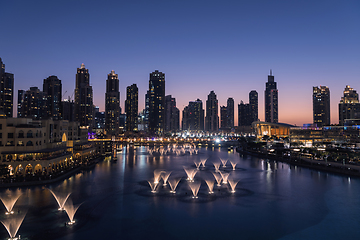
20 143
28 168
11 170
64 138
21 134
19 169
38 168
29 134
29 143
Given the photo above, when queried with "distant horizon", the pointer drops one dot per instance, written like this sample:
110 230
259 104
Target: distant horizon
228 47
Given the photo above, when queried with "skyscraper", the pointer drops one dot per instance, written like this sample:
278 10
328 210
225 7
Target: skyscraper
131 108
83 98
212 116
230 113
172 115
223 117
68 107
20 104
156 102
6 91
35 104
271 100
193 116
244 114
52 87
253 101
321 106
349 106
112 104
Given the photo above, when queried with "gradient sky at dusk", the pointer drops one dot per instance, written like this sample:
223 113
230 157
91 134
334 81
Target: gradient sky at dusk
225 46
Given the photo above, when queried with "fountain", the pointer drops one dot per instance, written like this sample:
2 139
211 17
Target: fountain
233 164
60 198
197 164
203 161
224 176
13 224
195 186
157 175
71 210
153 186
233 184
223 161
165 176
210 184
173 184
218 178
217 166
190 173
9 201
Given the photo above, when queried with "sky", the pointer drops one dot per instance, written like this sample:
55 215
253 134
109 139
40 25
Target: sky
225 46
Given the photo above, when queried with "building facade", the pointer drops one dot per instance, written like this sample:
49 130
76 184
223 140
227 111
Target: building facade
34 104
253 101
52 88
112 104
230 113
156 96
349 106
271 100
131 108
212 115
84 108
193 116
6 91
172 115
321 106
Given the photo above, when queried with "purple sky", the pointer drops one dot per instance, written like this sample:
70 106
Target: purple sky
225 46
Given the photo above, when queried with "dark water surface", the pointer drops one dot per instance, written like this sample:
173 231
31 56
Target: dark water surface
272 201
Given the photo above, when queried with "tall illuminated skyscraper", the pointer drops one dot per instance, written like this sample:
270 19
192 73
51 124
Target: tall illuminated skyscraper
193 116
6 91
212 115
156 95
230 113
172 115
131 108
349 106
112 104
52 87
253 101
321 106
271 100
84 108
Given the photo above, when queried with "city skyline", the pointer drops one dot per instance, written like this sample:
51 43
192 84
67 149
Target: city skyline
228 48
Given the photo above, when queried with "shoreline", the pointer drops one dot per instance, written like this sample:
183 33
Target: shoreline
331 167
49 181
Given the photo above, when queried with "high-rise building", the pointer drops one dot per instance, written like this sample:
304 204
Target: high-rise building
112 104
20 104
349 106
52 87
35 104
230 113
131 108
212 116
271 100
172 115
83 98
6 91
253 101
156 102
244 114
99 118
223 117
321 106
193 116
68 107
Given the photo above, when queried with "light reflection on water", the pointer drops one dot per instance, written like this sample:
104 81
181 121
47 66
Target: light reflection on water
284 200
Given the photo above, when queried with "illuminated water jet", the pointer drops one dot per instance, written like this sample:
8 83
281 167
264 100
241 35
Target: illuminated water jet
203 161
173 184
218 178
225 177
217 166
210 184
233 164
60 198
13 224
70 209
9 201
153 186
190 173
197 164
165 175
233 184
195 186
157 175
223 161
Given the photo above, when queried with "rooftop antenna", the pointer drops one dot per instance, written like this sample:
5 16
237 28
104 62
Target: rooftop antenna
270 72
